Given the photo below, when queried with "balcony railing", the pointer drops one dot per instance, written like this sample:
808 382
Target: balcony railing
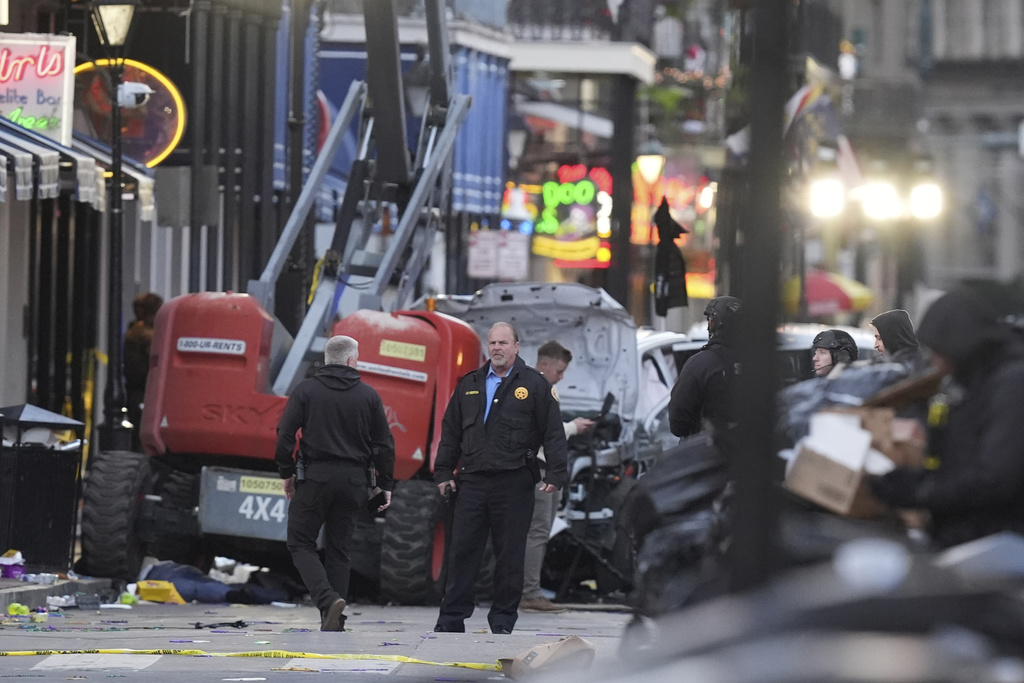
560 19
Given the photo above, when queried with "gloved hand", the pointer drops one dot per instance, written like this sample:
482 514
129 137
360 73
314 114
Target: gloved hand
899 487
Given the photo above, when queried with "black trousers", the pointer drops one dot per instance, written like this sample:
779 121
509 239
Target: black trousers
334 499
499 504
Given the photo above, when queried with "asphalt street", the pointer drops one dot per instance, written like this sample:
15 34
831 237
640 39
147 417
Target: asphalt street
268 643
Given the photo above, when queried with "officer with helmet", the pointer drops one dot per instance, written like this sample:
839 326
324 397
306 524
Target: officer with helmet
830 348
701 393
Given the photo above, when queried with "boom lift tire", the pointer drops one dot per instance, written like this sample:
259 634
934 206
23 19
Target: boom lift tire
111 545
413 544
179 493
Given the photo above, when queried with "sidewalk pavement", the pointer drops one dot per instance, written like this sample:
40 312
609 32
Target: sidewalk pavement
34 595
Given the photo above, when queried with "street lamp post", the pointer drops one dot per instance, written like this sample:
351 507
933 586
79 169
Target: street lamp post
113 22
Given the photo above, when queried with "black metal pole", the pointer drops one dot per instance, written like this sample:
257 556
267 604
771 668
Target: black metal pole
619 273
197 122
232 151
215 136
248 264
116 434
290 296
44 313
756 510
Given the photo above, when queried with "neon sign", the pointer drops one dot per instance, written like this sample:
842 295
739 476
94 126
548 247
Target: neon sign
36 87
574 221
149 132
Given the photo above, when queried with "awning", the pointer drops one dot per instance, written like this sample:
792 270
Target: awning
18 162
567 116
50 166
79 170
45 171
136 173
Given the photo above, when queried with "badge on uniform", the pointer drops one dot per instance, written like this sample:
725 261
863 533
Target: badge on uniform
472 393
521 393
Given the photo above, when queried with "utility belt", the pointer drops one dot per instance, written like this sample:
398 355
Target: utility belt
312 457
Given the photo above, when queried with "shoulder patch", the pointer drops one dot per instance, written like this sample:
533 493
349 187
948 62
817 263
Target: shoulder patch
521 393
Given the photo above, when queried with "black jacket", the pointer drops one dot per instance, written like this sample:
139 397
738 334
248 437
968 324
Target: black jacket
524 416
702 390
978 488
899 340
341 419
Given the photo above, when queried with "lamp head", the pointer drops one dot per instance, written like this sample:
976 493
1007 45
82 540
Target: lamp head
113 21
650 161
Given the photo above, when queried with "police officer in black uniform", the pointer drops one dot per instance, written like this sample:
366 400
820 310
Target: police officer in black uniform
830 348
701 392
497 418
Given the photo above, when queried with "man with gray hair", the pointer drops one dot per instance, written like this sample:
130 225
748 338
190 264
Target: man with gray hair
344 431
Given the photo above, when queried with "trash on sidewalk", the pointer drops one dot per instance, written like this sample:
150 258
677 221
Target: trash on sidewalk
41 579
87 600
235 625
59 601
564 655
159 591
12 565
16 609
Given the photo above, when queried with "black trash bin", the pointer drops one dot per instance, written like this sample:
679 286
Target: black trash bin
40 487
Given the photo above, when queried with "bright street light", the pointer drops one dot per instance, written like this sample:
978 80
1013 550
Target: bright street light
925 201
881 201
707 196
827 198
650 161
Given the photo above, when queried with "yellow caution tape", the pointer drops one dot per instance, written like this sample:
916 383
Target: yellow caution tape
276 654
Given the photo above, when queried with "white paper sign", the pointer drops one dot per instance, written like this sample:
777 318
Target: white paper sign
483 254
513 255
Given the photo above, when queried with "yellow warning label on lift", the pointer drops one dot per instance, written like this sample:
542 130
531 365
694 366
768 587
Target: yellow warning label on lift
397 349
274 487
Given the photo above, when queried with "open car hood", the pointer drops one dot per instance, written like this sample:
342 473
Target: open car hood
598 331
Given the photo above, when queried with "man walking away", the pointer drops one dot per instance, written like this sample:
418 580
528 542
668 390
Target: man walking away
497 419
344 432
552 361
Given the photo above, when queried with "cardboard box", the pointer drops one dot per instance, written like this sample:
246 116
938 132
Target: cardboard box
878 421
572 653
909 442
902 440
832 485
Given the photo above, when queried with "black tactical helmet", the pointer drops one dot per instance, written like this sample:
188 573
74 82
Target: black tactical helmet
840 345
721 313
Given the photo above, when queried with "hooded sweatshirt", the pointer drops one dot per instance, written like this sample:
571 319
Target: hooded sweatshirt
896 330
978 488
342 420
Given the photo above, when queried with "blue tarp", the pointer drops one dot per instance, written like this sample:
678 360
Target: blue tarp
479 173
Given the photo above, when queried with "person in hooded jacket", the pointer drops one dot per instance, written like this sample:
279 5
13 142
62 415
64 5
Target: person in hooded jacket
701 392
895 340
978 488
344 431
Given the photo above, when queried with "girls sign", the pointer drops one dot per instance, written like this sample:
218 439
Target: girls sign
37 82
